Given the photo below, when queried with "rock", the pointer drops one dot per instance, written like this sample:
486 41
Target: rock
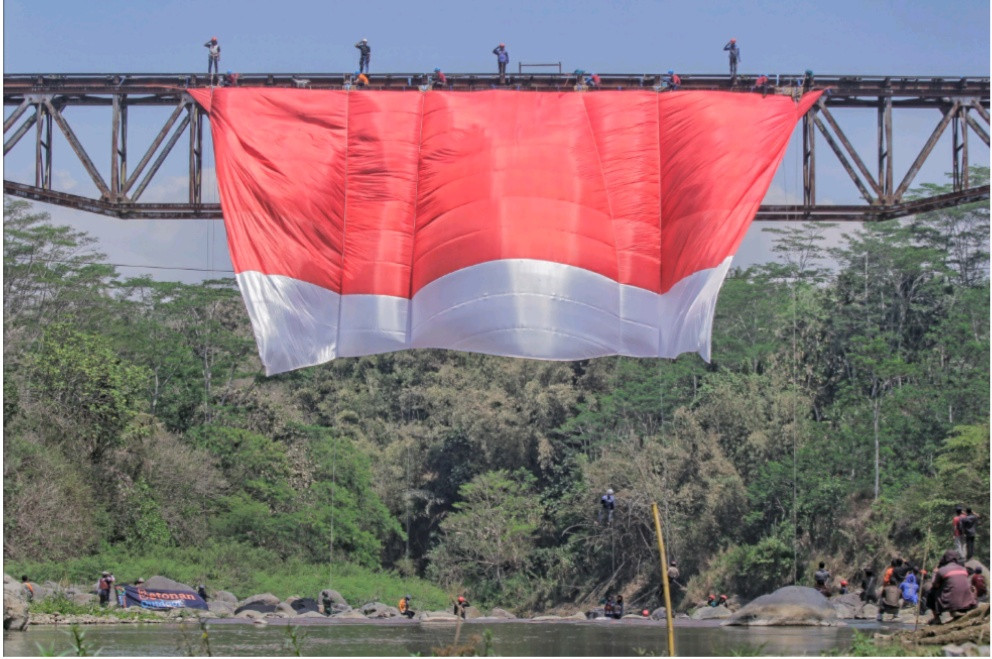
501 613
221 609
163 583
83 599
225 596
286 609
15 605
257 607
575 616
846 606
311 614
659 614
303 605
634 616
334 596
792 605
964 650
711 613
350 615
436 616
545 618
471 613
264 598
341 608
250 614
379 610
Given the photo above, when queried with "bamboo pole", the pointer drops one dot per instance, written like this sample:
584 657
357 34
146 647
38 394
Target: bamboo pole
664 580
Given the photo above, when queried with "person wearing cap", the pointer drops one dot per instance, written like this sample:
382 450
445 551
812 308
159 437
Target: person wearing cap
103 588
404 606
735 56
673 80
460 605
607 503
213 58
843 587
711 600
139 582
951 590
502 59
365 54
360 79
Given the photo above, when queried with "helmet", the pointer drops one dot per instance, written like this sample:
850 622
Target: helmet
733 41
843 582
723 597
437 70
609 491
502 45
461 599
670 72
213 38
364 40
710 597
409 597
645 613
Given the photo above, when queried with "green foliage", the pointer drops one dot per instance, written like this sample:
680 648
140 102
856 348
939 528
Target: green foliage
63 606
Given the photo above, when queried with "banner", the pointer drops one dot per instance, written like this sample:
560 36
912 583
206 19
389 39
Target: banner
158 599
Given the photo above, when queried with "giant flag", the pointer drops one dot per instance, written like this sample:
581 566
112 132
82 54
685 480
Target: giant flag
531 224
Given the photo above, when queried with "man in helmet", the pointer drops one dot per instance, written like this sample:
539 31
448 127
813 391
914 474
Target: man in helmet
213 58
607 503
365 54
404 606
502 58
673 80
460 605
735 56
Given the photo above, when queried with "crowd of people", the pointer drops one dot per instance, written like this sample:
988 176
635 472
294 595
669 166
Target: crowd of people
952 587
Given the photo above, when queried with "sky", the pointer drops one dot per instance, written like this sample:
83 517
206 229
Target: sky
842 37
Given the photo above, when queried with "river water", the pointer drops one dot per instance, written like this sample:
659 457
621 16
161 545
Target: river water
606 638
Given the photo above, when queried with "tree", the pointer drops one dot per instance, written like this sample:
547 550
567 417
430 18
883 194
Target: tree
491 535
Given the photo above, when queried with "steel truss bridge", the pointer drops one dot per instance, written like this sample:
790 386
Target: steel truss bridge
41 100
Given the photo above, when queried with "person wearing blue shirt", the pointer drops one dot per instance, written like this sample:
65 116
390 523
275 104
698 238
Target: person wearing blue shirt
735 56
502 58
607 504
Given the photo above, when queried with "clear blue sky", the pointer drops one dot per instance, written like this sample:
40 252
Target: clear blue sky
898 37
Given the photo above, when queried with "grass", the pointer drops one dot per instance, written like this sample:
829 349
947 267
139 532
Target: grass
242 570
62 605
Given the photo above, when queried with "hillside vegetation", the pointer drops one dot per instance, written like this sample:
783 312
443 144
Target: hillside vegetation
845 411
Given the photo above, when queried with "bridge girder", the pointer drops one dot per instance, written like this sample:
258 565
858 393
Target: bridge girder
40 99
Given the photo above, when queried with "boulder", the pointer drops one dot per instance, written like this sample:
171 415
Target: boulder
711 613
436 616
163 583
225 596
547 618
471 613
847 606
220 609
501 613
350 615
251 614
15 605
264 598
575 616
285 609
658 614
379 610
303 605
792 605
337 609
311 614
83 599
333 595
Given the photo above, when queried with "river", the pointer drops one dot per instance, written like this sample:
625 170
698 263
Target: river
606 638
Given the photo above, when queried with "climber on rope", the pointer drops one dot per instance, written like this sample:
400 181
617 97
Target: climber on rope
607 504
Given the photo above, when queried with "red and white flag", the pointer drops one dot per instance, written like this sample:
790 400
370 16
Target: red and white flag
530 224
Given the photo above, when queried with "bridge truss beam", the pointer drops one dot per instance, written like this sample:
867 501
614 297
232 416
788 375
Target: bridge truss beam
39 100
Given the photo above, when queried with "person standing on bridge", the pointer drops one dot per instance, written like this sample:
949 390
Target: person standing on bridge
213 58
365 54
735 56
502 59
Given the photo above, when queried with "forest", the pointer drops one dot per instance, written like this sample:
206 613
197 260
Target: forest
844 413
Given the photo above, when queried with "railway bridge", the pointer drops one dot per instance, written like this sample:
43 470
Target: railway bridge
37 103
